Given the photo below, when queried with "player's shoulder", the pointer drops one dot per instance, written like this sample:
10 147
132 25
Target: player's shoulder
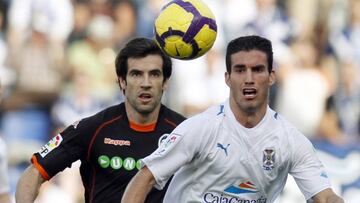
289 130
170 115
91 123
207 119
107 114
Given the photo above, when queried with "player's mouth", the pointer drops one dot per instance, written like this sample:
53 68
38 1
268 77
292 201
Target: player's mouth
145 97
249 93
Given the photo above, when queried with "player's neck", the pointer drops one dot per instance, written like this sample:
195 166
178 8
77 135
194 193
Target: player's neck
249 119
141 118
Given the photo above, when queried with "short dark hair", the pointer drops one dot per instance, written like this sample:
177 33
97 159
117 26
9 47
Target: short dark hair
248 43
138 48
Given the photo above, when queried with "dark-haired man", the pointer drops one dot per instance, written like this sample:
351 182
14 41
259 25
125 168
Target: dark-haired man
110 143
238 151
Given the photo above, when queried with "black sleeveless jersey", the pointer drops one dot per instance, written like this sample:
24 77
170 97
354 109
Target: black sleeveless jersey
109 150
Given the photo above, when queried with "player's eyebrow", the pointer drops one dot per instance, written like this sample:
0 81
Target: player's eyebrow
135 71
239 66
157 71
260 66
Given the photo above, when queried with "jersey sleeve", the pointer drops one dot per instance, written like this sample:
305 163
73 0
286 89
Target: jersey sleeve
62 150
175 150
306 168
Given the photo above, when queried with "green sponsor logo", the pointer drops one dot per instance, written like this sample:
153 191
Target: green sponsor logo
129 163
138 164
104 161
117 162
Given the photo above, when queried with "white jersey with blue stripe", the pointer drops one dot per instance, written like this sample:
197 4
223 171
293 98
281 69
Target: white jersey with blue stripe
215 159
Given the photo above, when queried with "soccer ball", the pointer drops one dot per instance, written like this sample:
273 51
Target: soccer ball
185 29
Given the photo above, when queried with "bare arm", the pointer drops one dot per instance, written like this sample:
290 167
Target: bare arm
139 187
327 196
28 186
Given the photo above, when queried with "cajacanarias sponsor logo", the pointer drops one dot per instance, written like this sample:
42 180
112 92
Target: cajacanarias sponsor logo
242 187
221 198
117 142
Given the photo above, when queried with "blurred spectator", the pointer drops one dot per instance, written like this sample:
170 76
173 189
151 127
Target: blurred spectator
148 11
36 36
37 32
94 56
346 41
8 75
77 100
346 45
124 14
307 23
271 21
101 7
197 84
82 17
347 100
304 88
51 17
339 154
234 20
268 19
329 129
4 176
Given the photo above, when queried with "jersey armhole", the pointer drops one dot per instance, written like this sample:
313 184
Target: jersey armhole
41 170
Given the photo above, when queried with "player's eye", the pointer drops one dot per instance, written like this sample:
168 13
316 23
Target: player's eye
239 69
258 69
135 73
155 73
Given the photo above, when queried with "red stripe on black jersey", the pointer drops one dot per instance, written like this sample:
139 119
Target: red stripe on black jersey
97 132
92 187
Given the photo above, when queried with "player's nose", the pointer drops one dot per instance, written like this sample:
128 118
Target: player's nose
146 82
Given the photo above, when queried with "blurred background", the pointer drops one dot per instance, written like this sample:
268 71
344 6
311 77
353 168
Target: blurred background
57 66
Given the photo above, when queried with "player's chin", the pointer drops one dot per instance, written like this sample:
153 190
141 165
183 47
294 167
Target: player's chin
147 108
249 106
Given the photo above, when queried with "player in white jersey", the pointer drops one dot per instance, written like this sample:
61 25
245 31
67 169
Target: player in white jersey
237 152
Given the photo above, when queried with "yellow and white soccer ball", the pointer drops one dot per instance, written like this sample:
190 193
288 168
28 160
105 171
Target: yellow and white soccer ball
185 29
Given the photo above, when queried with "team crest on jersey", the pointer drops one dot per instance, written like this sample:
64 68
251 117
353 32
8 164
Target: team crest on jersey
268 159
52 144
166 142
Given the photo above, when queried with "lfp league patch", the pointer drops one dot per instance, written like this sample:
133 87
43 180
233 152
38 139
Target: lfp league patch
52 144
167 142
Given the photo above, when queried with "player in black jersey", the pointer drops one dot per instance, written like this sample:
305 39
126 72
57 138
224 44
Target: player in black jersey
110 143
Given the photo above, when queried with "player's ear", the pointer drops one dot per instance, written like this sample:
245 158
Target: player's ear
272 78
227 78
122 83
165 84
